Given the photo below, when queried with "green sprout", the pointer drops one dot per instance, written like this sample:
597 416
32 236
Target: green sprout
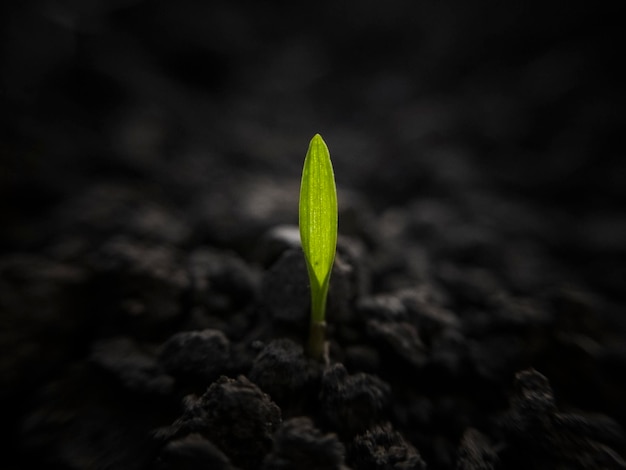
318 234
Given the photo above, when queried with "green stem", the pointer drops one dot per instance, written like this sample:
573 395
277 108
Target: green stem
318 346
319 295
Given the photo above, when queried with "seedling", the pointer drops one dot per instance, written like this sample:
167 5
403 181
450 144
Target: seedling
318 234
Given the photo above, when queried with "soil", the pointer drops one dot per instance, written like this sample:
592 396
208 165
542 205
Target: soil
153 295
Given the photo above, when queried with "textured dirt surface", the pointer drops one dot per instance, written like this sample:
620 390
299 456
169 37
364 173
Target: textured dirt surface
153 296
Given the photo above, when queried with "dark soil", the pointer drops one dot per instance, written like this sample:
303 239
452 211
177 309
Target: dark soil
153 295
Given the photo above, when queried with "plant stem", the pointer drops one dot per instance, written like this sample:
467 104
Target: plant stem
318 346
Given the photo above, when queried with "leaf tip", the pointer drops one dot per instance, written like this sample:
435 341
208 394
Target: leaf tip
317 141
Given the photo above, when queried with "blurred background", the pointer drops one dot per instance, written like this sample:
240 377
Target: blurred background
511 111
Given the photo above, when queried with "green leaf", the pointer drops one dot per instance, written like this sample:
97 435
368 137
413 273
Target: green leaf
318 222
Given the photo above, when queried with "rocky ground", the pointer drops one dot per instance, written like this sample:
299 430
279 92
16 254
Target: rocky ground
153 297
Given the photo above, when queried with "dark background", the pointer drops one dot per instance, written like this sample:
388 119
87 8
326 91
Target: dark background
412 97
186 123
520 104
